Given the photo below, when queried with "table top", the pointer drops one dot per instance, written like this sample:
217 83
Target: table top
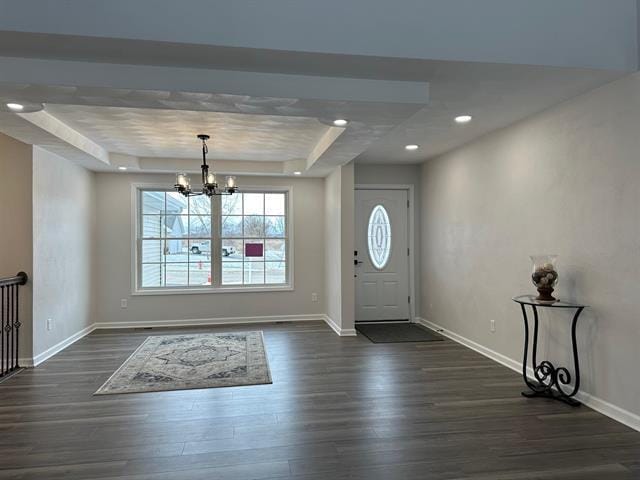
531 300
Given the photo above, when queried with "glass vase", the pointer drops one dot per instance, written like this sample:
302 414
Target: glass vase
544 276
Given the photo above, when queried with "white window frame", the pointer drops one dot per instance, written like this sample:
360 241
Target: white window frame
216 261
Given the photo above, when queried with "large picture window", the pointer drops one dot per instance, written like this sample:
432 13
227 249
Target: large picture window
201 243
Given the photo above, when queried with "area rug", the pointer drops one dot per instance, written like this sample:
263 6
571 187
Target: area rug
396 332
180 362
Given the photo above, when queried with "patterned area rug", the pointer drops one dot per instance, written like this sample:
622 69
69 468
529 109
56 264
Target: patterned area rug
180 362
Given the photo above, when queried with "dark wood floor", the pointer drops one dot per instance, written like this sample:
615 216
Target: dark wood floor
338 408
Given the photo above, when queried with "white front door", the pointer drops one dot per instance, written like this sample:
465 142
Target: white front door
382 255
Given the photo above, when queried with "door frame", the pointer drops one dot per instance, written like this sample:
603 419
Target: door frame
410 233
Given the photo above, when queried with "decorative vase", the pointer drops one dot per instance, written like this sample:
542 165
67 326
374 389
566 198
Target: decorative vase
544 276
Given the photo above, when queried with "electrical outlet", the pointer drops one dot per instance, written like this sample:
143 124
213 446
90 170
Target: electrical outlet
314 297
49 324
493 326
123 303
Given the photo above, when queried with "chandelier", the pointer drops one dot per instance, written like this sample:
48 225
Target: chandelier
209 183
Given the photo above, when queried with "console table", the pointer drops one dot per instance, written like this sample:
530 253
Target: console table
550 381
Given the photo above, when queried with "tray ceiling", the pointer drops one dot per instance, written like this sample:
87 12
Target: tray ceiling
172 133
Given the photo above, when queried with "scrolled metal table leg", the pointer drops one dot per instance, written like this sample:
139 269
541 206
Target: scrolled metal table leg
563 375
549 379
533 390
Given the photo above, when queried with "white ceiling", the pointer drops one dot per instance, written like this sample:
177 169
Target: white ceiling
147 132
497 60
567 33
153 112
88 114
496 95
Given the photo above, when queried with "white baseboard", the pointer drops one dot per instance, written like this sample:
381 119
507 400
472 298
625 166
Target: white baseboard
487 352
38 359
58 347
343 332
621 415
194 322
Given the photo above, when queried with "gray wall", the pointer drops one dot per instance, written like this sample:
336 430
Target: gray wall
399 175
64 249
15 224
347 213
114 211
332 243
339 244
565 181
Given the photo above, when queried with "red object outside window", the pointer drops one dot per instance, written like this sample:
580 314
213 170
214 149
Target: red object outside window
253 250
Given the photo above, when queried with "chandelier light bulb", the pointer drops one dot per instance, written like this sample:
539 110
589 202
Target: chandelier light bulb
211 178
181 179
231 182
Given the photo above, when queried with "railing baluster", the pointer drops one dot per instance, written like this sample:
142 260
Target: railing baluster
12 336
2 316
5 360
8 326
16 329
4 331
10 322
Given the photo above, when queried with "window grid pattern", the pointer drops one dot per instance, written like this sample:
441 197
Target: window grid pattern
254 224
178 238
175 248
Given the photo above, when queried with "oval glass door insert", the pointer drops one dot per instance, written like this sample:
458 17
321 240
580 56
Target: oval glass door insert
379 237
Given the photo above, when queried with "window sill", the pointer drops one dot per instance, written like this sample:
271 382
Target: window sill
196 291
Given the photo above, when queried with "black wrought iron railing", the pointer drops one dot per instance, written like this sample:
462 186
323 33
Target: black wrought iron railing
10 322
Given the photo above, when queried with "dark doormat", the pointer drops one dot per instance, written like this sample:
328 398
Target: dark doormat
396 332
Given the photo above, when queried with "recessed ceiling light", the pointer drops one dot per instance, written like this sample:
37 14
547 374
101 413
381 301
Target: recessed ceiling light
411 147
463 118
340 122
16 107
297 173
122 168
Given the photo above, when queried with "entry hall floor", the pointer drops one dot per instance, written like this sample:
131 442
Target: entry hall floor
338 408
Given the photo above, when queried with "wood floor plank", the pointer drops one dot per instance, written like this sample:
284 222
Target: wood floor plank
339 407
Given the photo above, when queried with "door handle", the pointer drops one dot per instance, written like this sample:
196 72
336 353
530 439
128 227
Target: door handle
356 262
